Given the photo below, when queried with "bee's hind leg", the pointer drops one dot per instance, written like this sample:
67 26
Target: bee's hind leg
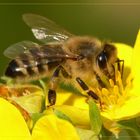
53 84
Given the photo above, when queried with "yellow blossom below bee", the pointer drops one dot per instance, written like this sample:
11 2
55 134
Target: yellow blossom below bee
12 124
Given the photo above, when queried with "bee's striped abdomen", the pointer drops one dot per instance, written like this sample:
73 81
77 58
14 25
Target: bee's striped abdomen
31 69
13 70
28 67
35 62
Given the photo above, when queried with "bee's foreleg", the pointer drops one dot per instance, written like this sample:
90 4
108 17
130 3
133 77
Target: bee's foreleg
86 89
120 68
54 82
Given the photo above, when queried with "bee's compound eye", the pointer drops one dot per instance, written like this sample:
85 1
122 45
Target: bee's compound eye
102 60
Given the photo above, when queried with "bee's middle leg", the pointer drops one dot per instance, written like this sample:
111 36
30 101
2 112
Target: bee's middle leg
54 82
86 88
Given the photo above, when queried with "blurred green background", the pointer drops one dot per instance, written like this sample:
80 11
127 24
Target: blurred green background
104 19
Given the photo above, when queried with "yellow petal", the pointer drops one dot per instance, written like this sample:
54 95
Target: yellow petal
50 127
12 124
136 65
125 53
128 110
30 98
80 117
62 98
32 103
71 99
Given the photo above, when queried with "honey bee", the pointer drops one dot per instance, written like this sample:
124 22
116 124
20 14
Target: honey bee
80 60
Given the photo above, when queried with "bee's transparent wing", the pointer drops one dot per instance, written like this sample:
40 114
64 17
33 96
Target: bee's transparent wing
27 50
16 50
44 29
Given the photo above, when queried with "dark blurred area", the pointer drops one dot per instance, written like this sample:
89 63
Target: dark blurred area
104 19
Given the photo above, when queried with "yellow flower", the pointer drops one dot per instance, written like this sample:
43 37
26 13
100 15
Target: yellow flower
12 124
120 101
28 99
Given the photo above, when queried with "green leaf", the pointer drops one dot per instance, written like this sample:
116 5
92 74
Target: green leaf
86 134
70 88
95 118
8 81
105 134
131 127
61 115
43 85
43 106
36 116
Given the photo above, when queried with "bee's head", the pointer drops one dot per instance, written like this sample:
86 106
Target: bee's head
107 57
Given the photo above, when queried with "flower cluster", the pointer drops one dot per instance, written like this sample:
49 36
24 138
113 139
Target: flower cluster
25 115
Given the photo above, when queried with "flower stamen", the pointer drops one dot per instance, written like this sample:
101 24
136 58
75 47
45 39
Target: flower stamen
115 94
